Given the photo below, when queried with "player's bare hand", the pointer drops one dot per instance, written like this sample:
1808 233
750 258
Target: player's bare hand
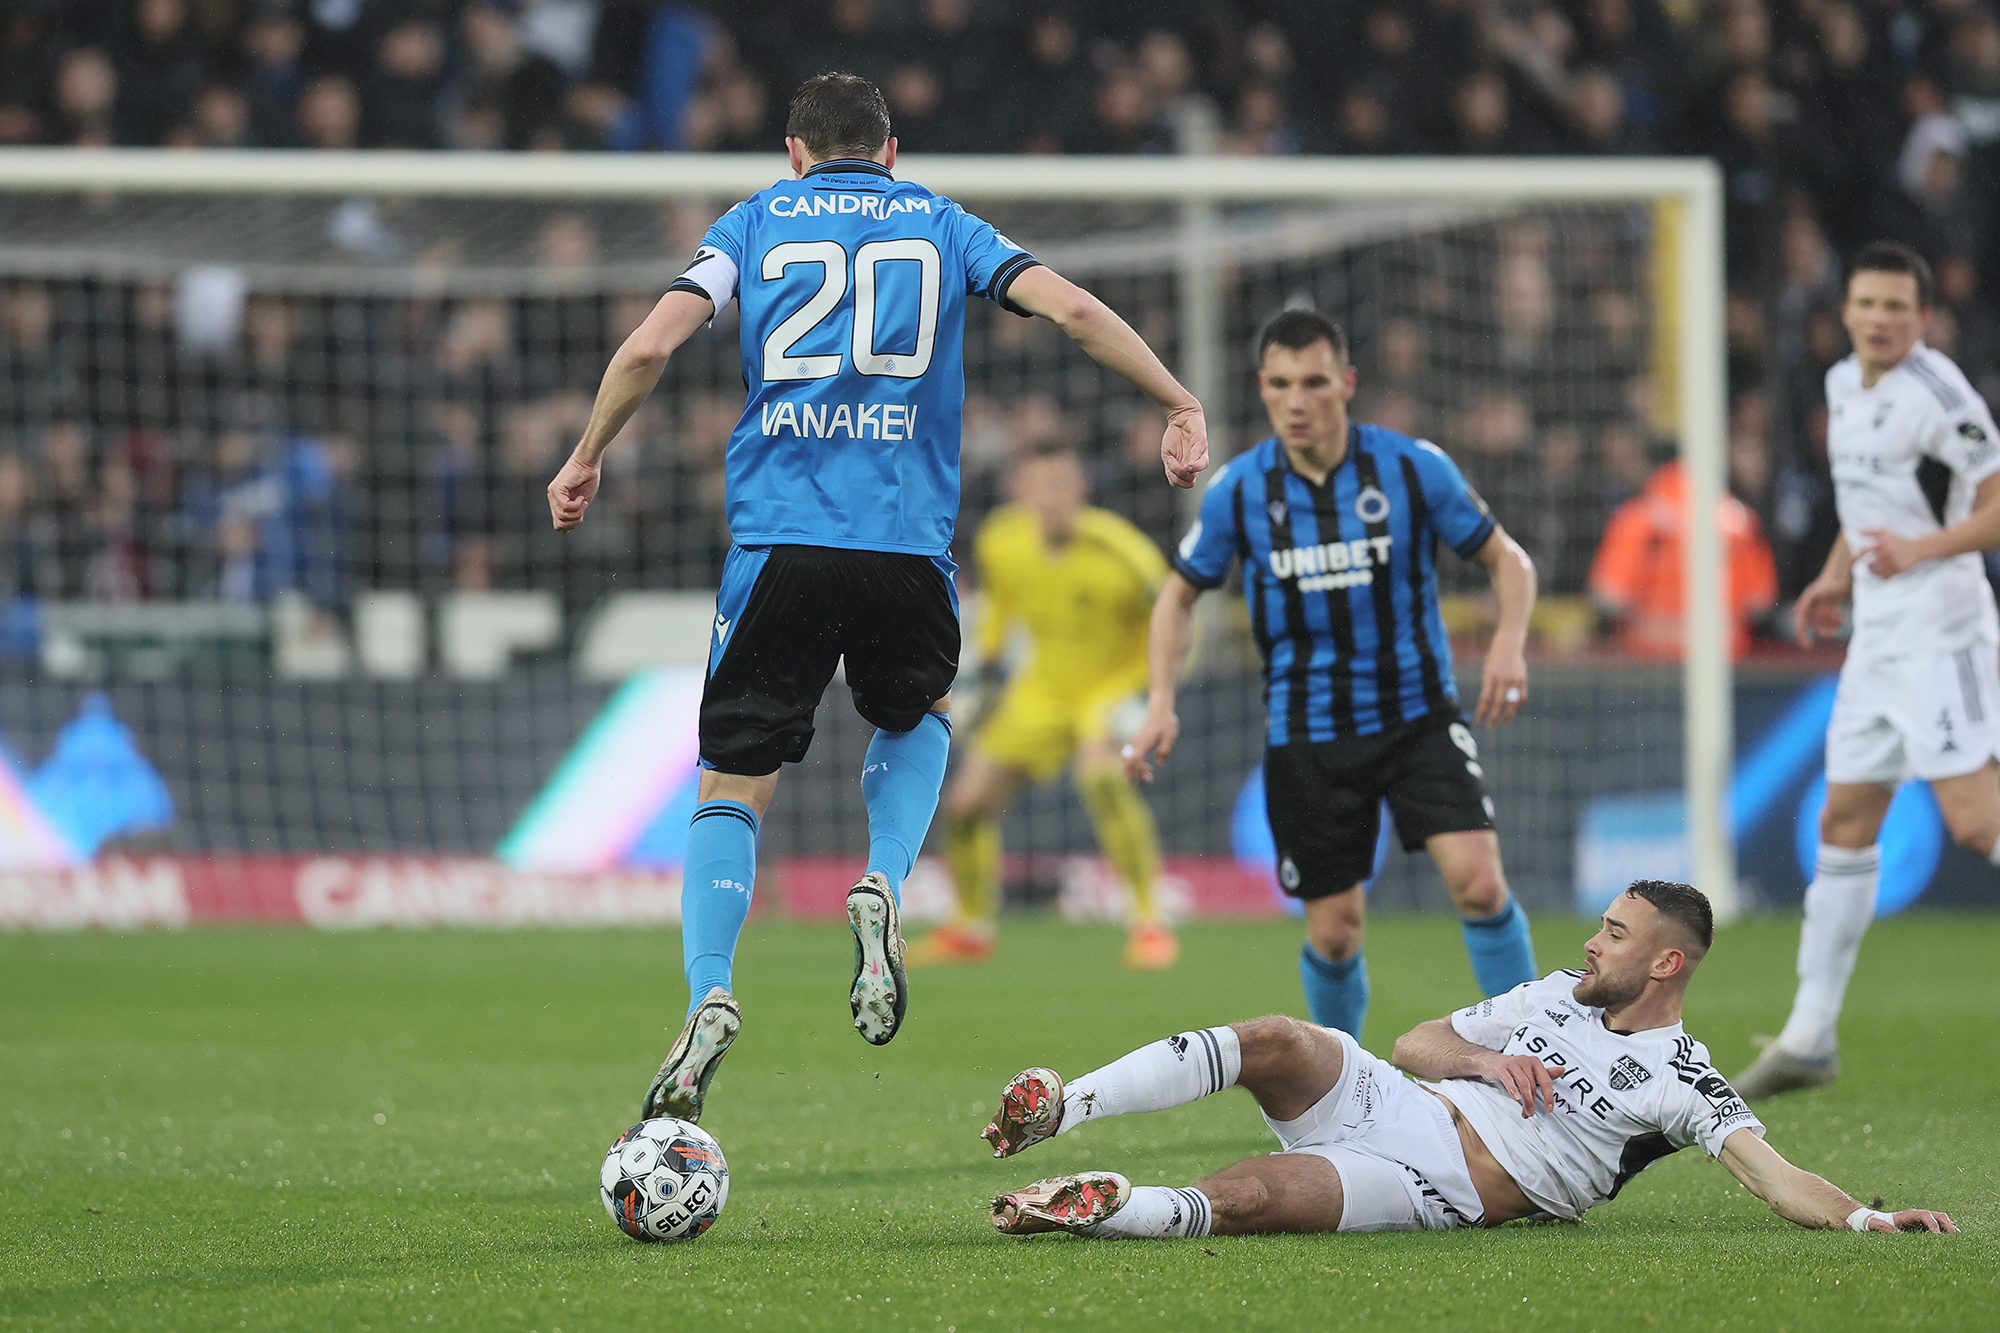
1151 745
1816 615
1525 1079
1184 447
1503 686
570 493
1889 553
1915 1219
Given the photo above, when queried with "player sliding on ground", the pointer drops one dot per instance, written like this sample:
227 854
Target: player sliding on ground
842 480
1916 478
1082 581
1541 1103
1537 1103
1337 525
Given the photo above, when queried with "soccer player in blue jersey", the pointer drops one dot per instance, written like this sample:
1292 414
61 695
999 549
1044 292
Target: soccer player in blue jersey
1336 524
842 488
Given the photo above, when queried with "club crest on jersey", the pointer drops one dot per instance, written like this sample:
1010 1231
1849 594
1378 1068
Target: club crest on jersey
1277 510
1627 1074
1979 449
1371 506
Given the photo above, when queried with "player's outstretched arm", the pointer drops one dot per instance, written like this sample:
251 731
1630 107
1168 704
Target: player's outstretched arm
634 370
1434 1050
1503 681
1802 1197
1168 637
1889 553
1113 344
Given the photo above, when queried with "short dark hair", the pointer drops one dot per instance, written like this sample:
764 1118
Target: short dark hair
1681 903
838 115
1299 329
1895 257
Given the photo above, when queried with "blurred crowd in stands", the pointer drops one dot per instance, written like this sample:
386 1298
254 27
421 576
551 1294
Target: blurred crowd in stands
1835 121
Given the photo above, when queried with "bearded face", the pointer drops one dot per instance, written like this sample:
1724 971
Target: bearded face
1608 989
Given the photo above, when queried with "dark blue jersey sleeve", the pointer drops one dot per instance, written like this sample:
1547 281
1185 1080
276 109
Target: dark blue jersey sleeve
1205 553
1456 512
992 262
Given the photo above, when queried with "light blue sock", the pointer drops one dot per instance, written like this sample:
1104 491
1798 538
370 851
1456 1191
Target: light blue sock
717 876
1336 993
900 783
1502 950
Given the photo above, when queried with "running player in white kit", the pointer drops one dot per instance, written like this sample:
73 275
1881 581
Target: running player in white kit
1542 1102
1916 477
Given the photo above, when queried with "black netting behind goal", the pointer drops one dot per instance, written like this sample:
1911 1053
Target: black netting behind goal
272 471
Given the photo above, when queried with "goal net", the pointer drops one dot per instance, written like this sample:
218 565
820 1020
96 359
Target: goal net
274 432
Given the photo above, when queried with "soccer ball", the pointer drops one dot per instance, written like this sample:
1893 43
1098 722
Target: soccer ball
664 1180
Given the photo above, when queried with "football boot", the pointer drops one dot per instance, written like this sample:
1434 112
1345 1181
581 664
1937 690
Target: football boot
682 1083
881 990
1031 1108
1062 1203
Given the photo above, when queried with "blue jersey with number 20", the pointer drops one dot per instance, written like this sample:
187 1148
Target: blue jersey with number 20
852 287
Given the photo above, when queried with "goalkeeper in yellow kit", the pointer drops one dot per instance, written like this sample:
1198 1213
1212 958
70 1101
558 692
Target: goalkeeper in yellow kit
1082 581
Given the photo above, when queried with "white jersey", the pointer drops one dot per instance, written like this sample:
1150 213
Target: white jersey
1921 425
1623 1101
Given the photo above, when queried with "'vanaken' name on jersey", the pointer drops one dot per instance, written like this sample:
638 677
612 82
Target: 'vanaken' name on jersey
856 421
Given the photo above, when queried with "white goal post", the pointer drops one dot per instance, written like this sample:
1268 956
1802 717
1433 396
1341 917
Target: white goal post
1686 192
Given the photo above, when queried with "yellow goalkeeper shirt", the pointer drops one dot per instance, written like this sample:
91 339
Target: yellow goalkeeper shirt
1085 605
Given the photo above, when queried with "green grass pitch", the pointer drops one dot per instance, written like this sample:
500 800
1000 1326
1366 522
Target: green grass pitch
274 1130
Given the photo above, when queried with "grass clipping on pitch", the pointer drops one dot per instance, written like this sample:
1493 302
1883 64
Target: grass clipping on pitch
274 1130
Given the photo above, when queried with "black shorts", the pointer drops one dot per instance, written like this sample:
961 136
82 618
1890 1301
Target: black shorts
785 618
1324 800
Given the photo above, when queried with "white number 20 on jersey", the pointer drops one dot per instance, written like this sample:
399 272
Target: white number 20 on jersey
781 364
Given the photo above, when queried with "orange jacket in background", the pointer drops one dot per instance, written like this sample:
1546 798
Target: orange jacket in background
1638 572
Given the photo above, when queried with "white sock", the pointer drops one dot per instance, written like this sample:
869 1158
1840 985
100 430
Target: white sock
1839 905
1173 1072
1156 1212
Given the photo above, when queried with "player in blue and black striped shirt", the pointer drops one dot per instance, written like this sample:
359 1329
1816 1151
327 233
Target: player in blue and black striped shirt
1337 524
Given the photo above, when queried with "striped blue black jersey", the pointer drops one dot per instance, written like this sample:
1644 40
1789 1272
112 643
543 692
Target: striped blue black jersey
852 287
1341 578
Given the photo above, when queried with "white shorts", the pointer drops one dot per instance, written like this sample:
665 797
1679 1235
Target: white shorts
1401 1167
1928 715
